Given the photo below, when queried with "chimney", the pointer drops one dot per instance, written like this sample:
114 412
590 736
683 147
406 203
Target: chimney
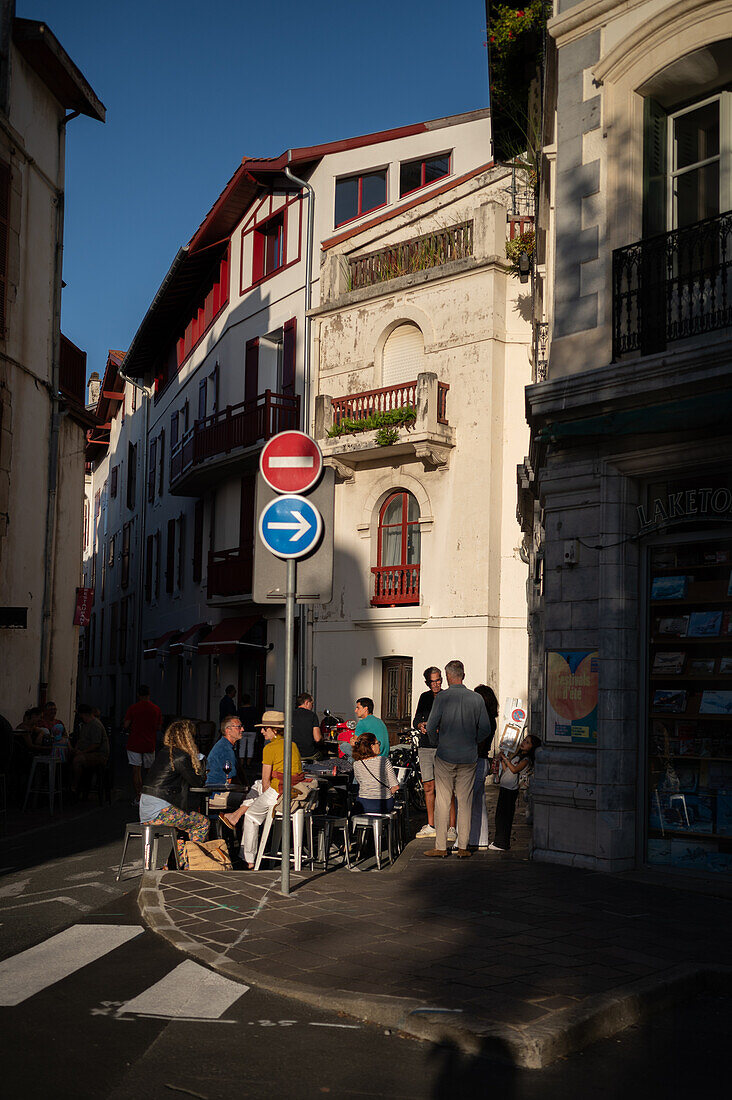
94 387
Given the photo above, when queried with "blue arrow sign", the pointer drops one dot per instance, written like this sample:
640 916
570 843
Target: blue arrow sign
290 526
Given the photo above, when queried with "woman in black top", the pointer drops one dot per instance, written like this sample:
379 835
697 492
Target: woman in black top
164 798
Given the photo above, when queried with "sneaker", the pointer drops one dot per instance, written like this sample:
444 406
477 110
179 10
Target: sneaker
427 831
452 835
495 848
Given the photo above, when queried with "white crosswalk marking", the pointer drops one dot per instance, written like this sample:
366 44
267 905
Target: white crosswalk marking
190 992
24 975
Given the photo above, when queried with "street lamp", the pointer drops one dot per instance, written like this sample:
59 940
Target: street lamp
524 266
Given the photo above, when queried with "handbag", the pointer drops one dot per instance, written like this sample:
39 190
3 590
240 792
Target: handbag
207 855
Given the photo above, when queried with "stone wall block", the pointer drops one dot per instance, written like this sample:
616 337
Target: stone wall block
584 615
615 767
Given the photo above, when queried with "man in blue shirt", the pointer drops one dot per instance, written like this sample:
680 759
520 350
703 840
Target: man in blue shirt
224 751
369 723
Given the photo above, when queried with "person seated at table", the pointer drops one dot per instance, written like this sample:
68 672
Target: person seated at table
92 749
377 783
59 737
36 737
164 798
225 752
254 810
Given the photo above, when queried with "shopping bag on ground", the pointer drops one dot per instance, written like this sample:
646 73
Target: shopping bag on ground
207 855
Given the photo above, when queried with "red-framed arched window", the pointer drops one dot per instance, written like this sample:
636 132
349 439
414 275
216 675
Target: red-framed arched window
396 574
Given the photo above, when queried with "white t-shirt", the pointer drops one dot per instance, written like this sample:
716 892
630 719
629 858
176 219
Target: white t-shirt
509 779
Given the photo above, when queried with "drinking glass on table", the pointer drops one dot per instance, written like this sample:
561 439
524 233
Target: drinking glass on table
227 771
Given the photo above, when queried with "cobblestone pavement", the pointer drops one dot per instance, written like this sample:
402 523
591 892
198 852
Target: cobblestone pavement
495 945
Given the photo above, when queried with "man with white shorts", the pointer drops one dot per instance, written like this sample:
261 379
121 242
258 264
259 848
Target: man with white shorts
142 721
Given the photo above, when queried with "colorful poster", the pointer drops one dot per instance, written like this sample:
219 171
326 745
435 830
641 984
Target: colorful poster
84 603
571 696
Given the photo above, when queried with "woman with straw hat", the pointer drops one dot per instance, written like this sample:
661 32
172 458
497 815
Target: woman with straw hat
255 810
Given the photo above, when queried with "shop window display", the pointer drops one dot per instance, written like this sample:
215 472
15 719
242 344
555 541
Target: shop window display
690 706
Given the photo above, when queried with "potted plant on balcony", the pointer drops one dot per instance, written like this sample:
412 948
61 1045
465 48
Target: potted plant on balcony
385 424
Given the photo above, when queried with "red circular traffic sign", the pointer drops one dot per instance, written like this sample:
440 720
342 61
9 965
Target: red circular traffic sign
291 462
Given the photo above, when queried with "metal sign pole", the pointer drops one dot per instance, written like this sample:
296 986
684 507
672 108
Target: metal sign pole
289 700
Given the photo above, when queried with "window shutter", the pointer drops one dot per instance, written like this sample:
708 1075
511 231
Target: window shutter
246 513
149 568
251 370
289 341
202 399
125 579
198 541
403 355
181 551
4 231
655 168
152 471
161 461
170 557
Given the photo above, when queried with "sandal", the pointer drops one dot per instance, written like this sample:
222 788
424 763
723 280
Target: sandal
225 821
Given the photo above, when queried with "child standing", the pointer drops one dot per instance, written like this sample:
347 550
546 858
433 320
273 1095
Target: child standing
509 789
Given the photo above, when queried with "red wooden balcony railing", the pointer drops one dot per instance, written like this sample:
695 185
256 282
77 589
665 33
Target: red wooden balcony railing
240 425
395 584
360 405
230 572
442 388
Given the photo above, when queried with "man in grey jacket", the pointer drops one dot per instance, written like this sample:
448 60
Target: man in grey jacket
457 722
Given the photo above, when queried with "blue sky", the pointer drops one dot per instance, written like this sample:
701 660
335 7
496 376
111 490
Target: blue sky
190 88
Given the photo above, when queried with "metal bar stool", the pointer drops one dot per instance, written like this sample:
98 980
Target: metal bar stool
150 834
299 818
54 762
376 823
329 823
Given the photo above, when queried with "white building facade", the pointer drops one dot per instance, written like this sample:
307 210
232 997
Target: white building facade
242 341
42 375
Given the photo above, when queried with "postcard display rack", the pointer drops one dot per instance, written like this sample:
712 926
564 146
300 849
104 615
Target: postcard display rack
690 706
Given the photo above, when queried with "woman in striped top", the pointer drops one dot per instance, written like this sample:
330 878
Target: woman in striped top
377 783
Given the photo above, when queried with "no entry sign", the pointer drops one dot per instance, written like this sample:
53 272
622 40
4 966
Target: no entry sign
291 462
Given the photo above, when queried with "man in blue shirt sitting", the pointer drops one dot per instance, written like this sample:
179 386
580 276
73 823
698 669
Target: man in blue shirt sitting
224 752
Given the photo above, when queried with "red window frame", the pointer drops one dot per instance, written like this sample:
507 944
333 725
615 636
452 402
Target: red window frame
209 307
404 523
360 177
422 161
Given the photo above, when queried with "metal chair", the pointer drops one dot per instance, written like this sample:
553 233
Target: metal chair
54 762
328 824
150 834
299 818
376 823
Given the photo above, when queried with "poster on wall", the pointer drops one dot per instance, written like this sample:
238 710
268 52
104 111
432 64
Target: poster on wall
571 696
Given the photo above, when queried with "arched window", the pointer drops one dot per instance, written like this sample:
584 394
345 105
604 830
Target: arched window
396 574
403 356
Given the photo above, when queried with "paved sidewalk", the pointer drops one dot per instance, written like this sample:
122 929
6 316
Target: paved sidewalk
497 954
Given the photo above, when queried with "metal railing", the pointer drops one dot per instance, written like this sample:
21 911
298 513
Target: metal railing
230 572
357 406
672 286
240 425
395 585
541 348
417 254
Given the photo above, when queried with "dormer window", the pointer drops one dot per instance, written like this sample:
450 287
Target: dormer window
414 174
269 247
357 195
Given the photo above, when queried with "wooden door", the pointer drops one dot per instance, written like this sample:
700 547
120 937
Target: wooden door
396 695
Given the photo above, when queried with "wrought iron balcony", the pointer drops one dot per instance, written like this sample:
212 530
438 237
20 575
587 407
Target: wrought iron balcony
455 242
229 572
395 585
672 286
220 438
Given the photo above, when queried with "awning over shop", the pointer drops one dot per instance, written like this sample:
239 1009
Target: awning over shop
225 637
185 640
153 648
